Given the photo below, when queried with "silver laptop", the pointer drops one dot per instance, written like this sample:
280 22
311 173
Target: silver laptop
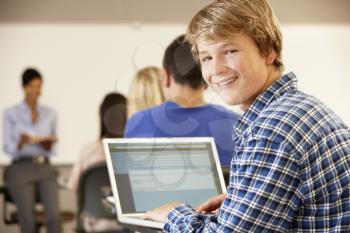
146 173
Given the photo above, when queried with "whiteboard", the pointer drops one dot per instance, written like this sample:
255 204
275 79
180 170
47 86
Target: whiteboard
80 63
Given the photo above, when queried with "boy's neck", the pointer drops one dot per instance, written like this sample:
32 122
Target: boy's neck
273 76
187 97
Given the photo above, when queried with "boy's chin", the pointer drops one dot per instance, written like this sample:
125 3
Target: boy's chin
230 100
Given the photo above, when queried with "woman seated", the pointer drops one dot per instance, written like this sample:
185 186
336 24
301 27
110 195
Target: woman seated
112 121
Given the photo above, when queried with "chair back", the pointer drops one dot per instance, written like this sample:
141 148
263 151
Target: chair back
90 193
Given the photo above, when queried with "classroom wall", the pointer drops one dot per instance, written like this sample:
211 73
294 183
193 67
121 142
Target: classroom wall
82 62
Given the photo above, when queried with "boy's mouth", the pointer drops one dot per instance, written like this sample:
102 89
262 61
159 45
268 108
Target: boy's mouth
227 82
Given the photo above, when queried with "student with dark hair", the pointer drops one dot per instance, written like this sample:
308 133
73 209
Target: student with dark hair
179 64
185 113
113 116
112 119
29 133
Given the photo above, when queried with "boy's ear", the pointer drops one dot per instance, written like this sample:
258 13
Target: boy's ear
270 58
167 79
205 86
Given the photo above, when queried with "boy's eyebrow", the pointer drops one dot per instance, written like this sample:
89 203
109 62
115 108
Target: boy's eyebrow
202 52
222 45
228 44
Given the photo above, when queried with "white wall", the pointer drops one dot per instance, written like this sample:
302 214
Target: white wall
82 62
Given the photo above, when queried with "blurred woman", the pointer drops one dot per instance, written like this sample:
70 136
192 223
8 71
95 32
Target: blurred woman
29 134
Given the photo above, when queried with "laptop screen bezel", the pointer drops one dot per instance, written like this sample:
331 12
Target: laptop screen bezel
123 141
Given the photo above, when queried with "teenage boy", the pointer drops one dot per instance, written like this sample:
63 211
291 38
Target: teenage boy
291 168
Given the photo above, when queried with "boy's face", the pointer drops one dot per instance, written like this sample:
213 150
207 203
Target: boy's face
234 69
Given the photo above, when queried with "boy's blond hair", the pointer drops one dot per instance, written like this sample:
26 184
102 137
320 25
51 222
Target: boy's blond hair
145 90
223 18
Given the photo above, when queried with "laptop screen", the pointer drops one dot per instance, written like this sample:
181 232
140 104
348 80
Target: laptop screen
149 175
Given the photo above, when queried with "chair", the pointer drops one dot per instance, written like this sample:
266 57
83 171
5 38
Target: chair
10 215
90 195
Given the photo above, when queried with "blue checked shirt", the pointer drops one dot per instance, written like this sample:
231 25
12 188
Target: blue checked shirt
290 172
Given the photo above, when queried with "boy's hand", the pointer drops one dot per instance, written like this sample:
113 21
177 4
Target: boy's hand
212 204
160 214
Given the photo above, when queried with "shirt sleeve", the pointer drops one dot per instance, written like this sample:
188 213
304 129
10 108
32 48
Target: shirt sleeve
52 130
10 140
76 172
54 124
184 219
136 126
263 194
74 177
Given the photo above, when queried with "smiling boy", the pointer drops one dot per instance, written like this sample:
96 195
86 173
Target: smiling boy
291 167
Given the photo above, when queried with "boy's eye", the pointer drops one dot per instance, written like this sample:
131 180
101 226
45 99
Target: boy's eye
230 51
205 59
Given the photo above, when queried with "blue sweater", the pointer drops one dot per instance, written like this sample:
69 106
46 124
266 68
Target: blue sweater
171 120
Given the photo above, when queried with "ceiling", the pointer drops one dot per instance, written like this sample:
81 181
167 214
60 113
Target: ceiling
159 11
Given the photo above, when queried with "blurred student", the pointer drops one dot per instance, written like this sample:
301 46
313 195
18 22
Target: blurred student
113 117
145 90
185 113
29 134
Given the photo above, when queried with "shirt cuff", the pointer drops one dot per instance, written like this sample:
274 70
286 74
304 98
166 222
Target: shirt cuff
177 215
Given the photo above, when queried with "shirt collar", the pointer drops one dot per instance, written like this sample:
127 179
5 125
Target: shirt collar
24 106
286 83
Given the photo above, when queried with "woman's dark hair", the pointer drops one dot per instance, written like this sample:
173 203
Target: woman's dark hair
29 75
113 116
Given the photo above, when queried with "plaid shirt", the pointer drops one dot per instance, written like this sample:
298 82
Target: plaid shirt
290 172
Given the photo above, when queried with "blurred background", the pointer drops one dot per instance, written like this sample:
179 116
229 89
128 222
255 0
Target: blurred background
86 48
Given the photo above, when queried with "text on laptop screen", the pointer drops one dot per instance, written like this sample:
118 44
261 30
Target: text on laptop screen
150 175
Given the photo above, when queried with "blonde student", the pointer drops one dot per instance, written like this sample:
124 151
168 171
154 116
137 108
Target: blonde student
291 168
145 89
